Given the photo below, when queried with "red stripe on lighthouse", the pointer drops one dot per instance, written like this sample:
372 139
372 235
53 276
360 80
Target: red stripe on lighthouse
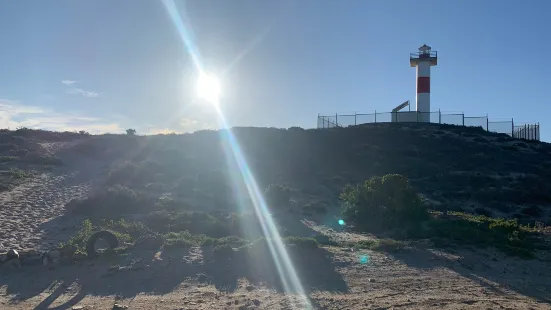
423 84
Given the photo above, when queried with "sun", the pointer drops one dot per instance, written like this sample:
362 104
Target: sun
208 87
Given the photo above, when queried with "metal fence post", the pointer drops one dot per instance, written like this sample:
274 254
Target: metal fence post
512 127
463 117
336 120
487 123
439 117
355 119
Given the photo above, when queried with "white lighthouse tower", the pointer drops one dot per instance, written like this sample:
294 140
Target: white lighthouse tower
423 60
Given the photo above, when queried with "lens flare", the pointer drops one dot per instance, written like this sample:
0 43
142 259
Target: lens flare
210 90
341 222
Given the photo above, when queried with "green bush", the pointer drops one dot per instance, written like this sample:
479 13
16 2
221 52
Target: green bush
379 203
483 231
8 158
302 242
133 229
78 241
16 173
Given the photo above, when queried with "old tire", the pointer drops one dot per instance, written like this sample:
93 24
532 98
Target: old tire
105 235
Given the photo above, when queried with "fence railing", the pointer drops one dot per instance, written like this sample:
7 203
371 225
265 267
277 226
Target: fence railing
524 131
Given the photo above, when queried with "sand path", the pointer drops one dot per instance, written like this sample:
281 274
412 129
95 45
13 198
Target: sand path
29 213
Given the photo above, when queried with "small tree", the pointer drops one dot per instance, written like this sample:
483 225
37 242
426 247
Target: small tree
385 202
131 132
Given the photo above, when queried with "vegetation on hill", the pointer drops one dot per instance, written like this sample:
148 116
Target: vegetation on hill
389 206
451 184
455 168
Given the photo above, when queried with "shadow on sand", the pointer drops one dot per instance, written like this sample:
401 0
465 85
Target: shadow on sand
160 272
494 271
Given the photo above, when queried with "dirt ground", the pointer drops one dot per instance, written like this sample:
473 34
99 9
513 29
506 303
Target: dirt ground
332 278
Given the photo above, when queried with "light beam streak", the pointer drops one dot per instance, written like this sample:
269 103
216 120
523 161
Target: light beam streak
286 271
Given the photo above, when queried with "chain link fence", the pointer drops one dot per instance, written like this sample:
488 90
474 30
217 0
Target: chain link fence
524 131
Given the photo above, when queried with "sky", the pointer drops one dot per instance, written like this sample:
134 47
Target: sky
104 66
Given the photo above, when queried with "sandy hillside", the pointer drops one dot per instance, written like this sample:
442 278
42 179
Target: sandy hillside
33 216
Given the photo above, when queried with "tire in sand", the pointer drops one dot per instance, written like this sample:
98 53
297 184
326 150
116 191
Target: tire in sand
108 236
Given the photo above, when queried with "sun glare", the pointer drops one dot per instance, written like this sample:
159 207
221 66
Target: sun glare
208 87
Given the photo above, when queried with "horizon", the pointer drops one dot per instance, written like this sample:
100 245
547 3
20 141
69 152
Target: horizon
104 67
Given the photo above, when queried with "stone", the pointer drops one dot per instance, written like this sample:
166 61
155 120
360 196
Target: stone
119 307
256 302
249 288
77 308
12 254
371 280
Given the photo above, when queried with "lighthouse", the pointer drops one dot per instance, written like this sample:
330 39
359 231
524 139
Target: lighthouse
423 60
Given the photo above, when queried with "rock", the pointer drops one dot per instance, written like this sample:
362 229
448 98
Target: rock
3 258
249 288
12 254
371 280
77 308
256 302
119 307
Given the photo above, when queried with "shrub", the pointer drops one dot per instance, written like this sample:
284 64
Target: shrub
483 231
114 201
132 229
302 242
8 158
79 240
385 202
131 132
17 173
277 195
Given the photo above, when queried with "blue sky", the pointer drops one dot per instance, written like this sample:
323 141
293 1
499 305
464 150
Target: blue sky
104 66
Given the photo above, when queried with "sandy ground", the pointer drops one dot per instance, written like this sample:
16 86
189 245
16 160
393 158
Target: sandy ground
31 216
334 279
31 213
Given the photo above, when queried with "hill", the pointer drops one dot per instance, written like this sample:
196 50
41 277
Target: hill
455 168
186 225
